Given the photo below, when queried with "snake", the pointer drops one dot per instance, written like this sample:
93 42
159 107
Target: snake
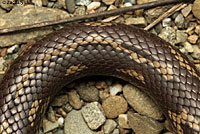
109 49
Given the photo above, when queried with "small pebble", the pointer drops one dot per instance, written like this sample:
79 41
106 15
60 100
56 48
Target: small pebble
179 20
108 2
109 126
123 121
193 38
93 6
185 11
74 100
188 47
94 115
166 22
116 88
61 121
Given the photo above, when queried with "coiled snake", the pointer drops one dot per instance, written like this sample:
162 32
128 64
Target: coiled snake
129 53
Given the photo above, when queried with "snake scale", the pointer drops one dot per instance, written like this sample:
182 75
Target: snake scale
118 50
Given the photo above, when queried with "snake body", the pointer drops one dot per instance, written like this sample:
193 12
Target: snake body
129 53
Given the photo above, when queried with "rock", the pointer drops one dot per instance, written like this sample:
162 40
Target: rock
108 2
166 22
37 3
188 47
115 88
168 34
12 49
186 11
75 124
74 100
196 9
93 6
26 14
8 6
111 7
88 93
114 105
127 4
179 20
133 2
3 52
154 13
67 108
83 2
181 36
70 5
49 126
136 21
60 100
193 38
144 125
80 10
141 102
101 85
51 115
123 121
61 121
109 126
61 4
94 115
2 61
197 30
2 11
116 131
61 112
196 52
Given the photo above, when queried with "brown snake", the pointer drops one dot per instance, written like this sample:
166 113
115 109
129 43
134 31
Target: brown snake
129 53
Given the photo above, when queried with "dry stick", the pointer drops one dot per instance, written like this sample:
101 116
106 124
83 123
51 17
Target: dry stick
95 15
165 15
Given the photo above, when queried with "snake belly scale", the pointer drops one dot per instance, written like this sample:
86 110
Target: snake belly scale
129 53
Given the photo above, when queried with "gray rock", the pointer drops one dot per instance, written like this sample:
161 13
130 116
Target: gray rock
75 124
186 11
109 126
141 102
168 34
131 1
51 115
166 22
49 126
26 14
181 37
179 20
144 125
94 115
88 93
60 100
67 108
154 13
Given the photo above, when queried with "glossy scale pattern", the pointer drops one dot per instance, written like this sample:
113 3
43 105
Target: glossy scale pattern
126 52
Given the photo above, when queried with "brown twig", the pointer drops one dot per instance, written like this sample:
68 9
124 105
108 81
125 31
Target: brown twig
91 16
165 15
